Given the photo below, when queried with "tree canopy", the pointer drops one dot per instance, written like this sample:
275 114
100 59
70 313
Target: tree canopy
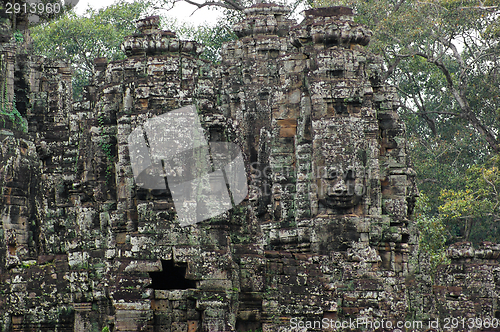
80 39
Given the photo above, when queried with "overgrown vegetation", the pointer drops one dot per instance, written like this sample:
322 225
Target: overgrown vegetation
8 109
433 233
107 148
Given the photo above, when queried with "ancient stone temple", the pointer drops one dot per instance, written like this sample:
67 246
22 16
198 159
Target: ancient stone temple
325 233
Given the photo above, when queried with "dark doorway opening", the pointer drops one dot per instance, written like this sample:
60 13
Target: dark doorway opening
172 276
248 325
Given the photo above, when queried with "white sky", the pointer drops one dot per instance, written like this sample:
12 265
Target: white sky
182 11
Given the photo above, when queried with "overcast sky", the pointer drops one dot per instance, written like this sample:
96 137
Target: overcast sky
182 11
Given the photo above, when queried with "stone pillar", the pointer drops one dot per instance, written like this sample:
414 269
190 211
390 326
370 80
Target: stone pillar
249 77
337 116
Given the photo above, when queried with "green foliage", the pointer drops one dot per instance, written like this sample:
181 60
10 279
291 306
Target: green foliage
472 212
80 39
8 109
28 264
213 297
97 33
441 161
18 37
65 311
107 148
14 116
80 79
211 37
432 241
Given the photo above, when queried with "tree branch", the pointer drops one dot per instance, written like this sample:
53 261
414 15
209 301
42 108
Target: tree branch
429 180
228 4
456 54
90 65
423 111
398 5
463 103
442 113
494 189
392 67
487 8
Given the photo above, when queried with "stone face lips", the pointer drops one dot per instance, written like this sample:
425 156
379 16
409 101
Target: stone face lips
326 228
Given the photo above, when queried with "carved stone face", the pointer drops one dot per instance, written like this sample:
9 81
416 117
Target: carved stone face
339 161
338 189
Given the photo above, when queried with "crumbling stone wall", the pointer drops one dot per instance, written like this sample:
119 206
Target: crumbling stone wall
465 289
326 229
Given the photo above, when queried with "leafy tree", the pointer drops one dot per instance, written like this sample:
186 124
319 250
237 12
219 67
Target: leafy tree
449 83
433 233
212 37
80 39
473 211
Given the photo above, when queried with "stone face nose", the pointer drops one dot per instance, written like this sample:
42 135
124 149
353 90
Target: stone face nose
339 188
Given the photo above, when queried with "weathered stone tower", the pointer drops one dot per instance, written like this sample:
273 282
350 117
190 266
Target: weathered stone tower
325 232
